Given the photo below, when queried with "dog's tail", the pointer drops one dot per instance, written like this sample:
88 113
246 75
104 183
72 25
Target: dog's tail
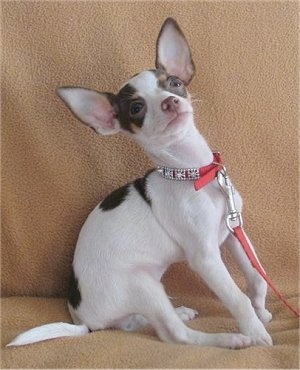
49 331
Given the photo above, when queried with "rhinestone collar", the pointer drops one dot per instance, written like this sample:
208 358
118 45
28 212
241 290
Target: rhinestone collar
182 174
199 175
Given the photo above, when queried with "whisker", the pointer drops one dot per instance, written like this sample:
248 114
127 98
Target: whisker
195 98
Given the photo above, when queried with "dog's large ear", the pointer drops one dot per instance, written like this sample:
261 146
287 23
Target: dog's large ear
95 109
173 53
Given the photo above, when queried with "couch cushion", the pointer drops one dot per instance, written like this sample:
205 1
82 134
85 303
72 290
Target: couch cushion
55 170
143 349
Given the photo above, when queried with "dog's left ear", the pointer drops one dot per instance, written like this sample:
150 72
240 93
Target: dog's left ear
97 110
173 53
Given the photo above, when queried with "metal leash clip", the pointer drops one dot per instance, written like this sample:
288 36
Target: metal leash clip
233 216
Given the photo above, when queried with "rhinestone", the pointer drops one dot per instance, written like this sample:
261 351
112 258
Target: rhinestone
180 174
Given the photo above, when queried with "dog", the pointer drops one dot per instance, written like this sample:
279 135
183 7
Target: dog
135 233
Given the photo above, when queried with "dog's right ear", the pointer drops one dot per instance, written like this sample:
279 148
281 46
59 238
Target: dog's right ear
173 53
95 109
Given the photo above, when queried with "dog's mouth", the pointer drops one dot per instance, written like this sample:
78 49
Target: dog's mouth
179 118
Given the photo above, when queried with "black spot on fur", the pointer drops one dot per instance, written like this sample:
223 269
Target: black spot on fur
74 296
115 198
141 186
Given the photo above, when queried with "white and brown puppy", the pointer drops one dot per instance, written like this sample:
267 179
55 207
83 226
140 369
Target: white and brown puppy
133 235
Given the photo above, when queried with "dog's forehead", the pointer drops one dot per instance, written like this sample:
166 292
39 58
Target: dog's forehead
147 81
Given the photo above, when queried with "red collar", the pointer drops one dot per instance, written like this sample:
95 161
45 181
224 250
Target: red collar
209 173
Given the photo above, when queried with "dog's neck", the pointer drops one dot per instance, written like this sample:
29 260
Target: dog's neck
188 150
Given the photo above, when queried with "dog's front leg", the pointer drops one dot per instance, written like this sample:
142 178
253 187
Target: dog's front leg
208 263
151 301
257 287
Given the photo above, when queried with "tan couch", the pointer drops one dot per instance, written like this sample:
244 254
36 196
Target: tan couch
55 170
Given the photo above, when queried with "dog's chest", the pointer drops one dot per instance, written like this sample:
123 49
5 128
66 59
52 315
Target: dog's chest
189 216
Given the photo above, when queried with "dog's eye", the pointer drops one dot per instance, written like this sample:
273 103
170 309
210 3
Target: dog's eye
136 108
176 86
175 82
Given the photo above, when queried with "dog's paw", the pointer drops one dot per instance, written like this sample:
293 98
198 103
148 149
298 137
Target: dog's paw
264 315
258 334
225 340
233 341
186 314
262 340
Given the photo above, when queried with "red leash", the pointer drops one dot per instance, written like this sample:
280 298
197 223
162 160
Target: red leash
217 170
239 233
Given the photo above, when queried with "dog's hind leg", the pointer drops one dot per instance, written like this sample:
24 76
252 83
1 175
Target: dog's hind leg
131 322
150 300
257 287
136 322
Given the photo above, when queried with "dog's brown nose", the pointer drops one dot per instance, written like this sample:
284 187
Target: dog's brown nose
170 104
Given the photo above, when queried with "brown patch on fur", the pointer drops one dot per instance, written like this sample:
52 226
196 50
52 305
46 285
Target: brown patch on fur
162 77
124 98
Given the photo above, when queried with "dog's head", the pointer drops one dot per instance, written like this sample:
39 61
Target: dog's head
152 105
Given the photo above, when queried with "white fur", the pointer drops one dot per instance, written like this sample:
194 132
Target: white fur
121 254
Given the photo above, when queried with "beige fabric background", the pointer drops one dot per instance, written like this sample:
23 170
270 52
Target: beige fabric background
55 170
